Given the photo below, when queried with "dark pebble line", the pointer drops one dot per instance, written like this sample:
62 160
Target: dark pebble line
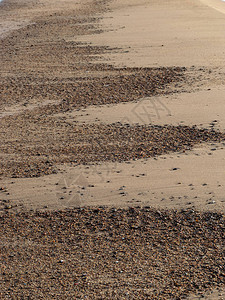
35 151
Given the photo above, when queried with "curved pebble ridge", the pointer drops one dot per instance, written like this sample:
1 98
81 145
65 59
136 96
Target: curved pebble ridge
38 151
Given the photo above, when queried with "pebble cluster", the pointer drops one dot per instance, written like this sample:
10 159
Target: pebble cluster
103 253
126 84
36 148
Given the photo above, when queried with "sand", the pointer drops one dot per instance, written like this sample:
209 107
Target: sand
169 181
183 33
162 110
198 102
69 71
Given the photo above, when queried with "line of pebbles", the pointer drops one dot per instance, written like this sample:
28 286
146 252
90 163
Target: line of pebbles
33 151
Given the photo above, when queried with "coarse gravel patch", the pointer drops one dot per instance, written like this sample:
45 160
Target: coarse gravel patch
109 253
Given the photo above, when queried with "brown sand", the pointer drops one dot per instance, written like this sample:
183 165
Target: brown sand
168 33
198 99
49 84
169 181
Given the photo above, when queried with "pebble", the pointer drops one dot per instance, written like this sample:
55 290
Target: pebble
145 246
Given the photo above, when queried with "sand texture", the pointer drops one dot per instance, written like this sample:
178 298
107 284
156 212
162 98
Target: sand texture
112 149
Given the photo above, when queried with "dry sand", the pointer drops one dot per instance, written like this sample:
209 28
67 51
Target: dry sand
182 28
46 77
169 181
173 33
168 33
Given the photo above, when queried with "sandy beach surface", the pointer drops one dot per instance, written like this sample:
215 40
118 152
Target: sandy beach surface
112 149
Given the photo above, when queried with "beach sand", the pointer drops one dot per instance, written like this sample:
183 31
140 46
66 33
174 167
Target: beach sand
189 41
169 33
98 104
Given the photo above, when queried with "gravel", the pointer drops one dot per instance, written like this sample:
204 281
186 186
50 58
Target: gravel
108 253
38 147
